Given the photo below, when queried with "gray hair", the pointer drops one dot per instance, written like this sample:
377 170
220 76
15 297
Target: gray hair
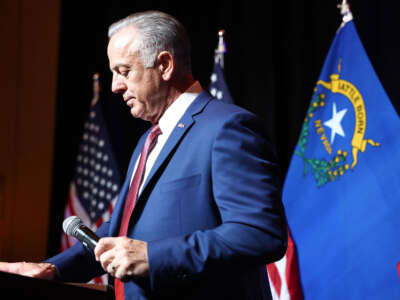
157 32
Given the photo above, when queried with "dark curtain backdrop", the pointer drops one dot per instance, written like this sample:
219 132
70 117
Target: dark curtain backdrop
275 53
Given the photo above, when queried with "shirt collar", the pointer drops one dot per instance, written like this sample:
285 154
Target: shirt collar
177 109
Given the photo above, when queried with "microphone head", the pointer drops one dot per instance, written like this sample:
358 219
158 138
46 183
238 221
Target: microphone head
70 225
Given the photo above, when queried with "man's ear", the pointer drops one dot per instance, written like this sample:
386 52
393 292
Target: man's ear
166 64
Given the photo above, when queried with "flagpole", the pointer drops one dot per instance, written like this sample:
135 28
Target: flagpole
345 11
221 49
96 88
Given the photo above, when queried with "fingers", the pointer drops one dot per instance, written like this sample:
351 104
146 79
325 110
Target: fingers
37 270
5 267
21 268
103 245
122 257
105 253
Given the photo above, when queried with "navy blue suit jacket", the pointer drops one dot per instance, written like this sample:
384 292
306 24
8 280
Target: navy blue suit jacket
210 211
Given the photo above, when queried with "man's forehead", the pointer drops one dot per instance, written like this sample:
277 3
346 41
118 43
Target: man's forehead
123 39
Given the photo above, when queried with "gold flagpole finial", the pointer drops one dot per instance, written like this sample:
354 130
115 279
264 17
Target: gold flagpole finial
345 12
96 88
221 49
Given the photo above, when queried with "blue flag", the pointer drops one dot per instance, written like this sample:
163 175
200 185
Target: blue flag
218 87
342 190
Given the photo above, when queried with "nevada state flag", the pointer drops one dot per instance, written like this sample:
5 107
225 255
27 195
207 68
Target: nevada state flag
342 190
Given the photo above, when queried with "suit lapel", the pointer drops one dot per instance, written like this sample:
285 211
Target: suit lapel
184 125
117 216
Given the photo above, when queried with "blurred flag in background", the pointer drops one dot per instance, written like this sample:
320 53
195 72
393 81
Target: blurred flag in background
218 87
96 182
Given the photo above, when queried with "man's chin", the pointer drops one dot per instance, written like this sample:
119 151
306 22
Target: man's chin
135 113
138 115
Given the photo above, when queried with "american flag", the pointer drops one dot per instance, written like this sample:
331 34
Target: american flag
284 278
218 87
96 182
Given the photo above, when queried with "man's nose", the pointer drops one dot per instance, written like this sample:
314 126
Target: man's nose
117 85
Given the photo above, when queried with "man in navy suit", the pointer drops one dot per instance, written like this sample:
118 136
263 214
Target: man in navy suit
207 213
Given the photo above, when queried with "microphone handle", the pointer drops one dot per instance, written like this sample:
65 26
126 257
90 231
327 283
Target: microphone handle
87 237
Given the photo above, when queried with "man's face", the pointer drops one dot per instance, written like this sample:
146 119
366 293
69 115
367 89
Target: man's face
142 88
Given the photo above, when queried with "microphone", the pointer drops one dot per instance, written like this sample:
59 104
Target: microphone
73 226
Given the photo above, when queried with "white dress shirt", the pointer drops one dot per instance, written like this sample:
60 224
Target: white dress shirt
167 123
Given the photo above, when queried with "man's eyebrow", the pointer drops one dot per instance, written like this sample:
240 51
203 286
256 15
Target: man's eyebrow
117 66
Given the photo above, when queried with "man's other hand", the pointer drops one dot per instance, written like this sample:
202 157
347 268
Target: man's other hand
36 270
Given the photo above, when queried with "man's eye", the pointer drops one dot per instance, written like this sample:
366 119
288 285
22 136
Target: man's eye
123 73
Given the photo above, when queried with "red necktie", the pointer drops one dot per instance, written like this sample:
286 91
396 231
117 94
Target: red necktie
132 195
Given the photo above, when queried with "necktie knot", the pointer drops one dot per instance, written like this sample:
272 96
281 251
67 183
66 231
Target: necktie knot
152 138
155 131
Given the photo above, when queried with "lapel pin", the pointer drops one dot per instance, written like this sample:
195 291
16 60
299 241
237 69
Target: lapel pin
181 125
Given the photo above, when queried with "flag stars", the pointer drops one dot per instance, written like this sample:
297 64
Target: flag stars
217 93
94 177
101 205
335 122
93 139
93 127
213 91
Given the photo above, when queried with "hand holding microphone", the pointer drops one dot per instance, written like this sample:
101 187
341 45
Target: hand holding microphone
122 257
73 226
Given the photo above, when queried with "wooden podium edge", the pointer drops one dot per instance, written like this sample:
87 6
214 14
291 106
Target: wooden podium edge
93 286
24 287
